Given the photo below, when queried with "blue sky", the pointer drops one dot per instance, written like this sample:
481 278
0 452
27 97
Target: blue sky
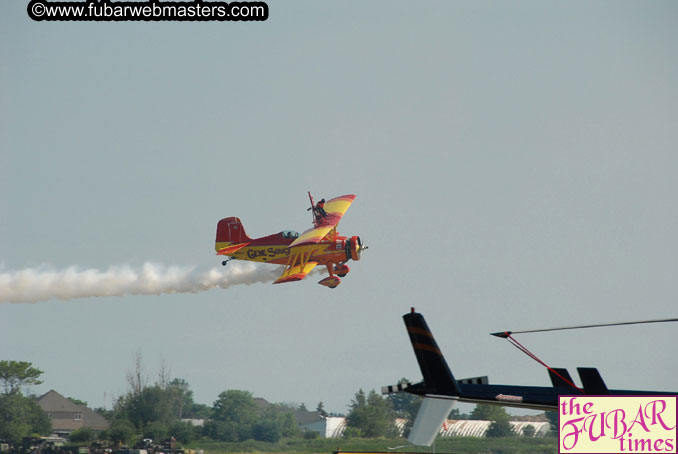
514 165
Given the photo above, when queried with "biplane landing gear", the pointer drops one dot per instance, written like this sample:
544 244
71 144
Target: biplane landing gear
330 281
341 270
225 262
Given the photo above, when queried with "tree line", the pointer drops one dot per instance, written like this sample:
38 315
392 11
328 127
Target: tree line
158 410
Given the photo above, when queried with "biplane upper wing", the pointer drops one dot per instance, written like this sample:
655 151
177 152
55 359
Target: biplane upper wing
335 209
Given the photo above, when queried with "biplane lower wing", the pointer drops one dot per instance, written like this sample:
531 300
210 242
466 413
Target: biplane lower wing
295 273
299 264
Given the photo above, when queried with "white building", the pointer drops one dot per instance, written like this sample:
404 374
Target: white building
334 427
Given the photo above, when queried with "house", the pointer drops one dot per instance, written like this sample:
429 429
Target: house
67 416
327 427
306 420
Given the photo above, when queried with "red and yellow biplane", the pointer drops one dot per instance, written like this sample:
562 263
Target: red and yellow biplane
319 245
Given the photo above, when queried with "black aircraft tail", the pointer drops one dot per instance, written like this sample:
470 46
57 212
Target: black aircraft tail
592 381
438 378
441 390
560 378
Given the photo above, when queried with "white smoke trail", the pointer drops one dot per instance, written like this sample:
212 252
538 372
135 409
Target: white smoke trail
42 284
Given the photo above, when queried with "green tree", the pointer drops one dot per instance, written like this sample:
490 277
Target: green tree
372 415
121 431
403 403
107 414
165 402
529 431
267 430
235 417
198 411
290 428
406 406
321 409
150 404
20 417
456 414
156 430
484 412
181 397
500 426
221 430
273 423
234 413
311 435
16 374
552 416
350 432
184 432
82 435
154 410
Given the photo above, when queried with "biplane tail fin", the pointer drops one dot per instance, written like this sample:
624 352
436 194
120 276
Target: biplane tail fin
438 378
230 231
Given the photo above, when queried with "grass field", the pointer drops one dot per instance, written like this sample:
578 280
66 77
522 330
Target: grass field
453 445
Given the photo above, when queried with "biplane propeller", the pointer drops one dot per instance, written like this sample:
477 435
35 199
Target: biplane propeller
299 254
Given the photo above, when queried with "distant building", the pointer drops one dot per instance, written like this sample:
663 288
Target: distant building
67 416
472 428
309 420
334 427
327 427
196 422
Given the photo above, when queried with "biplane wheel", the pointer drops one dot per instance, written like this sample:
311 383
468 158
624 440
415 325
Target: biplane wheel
341 270
224 262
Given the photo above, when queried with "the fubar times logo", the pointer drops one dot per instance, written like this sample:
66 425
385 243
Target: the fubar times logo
617 424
